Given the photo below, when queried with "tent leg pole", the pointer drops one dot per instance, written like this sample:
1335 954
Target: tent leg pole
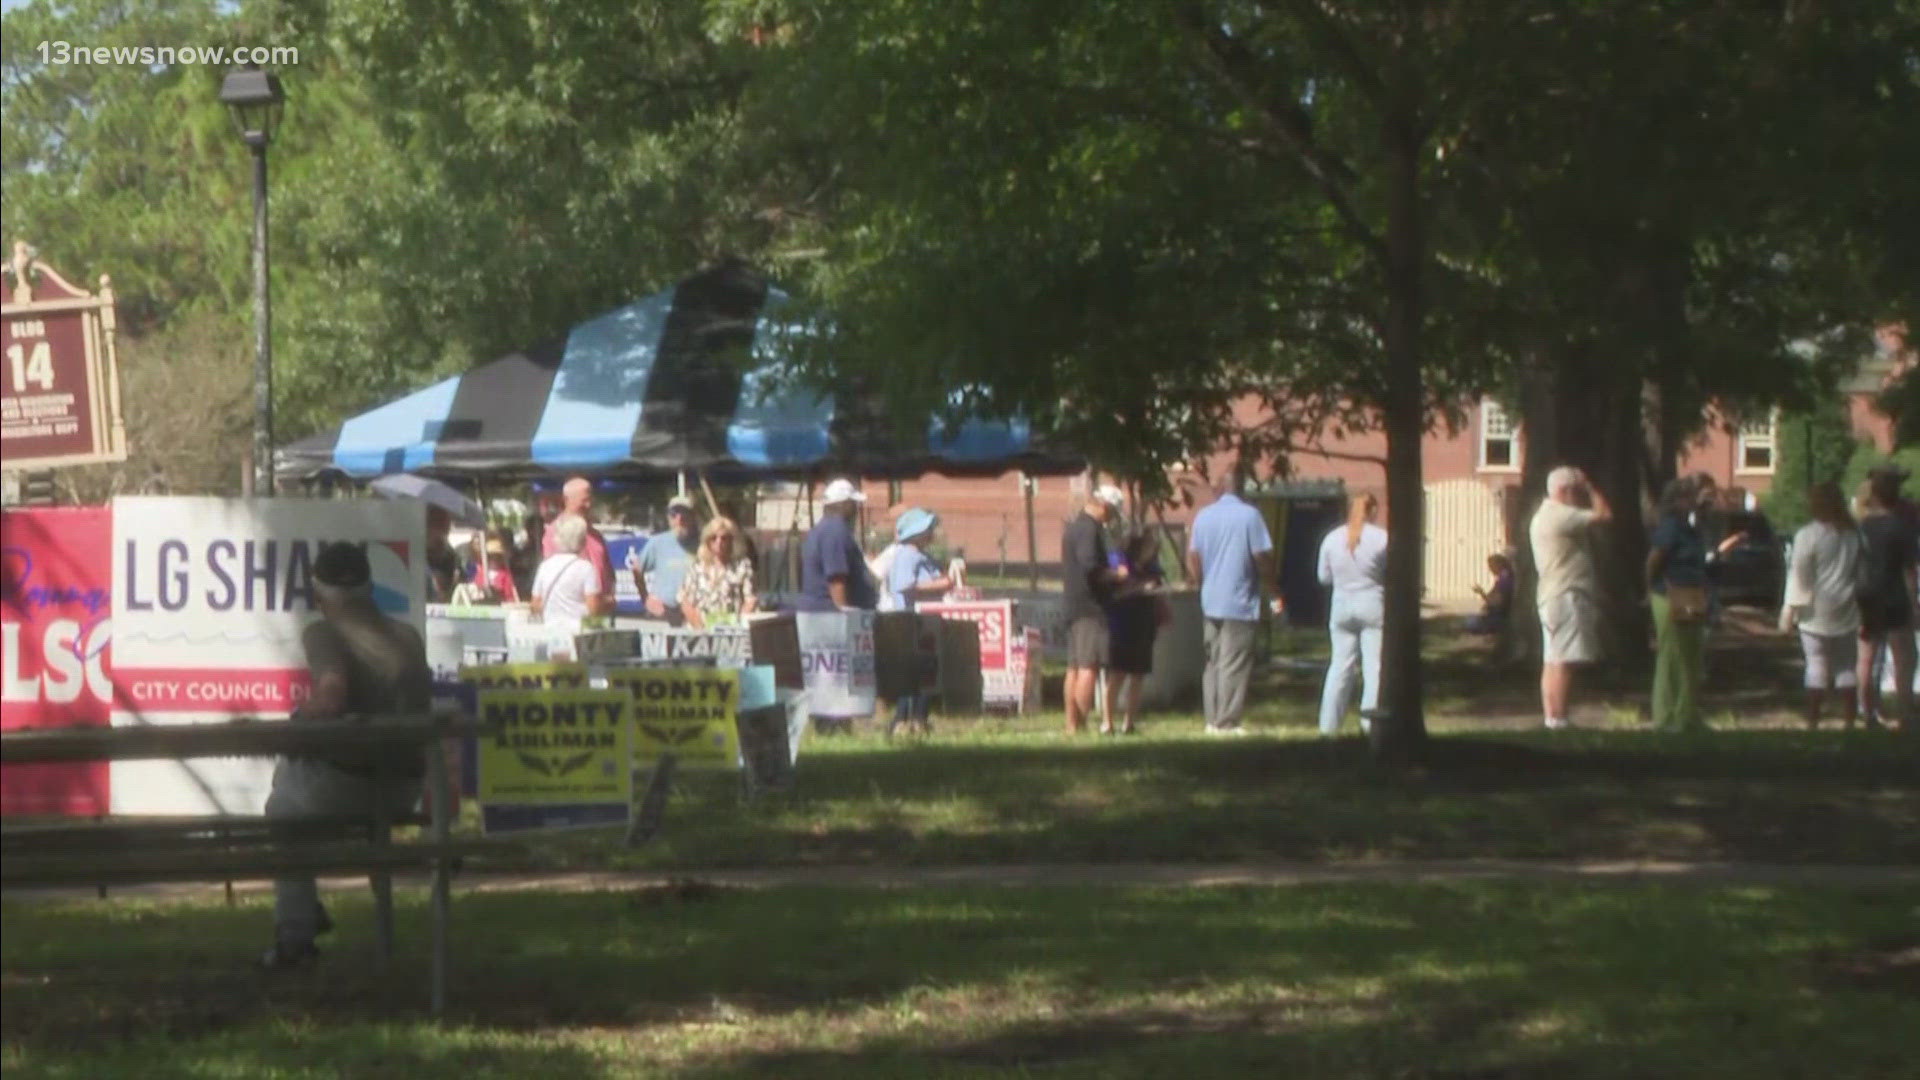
486 526
1027 484
713 505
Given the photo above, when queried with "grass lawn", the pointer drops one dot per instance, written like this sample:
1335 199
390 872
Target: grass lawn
1016 791
1429 981
1760 788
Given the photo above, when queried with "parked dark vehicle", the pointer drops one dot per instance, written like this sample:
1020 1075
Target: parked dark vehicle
1754 572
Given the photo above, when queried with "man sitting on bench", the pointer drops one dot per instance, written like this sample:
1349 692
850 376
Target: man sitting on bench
363 664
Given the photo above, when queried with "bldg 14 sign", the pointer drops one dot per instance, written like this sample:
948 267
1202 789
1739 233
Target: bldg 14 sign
59 382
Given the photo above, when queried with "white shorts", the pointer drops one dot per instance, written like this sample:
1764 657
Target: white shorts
1830 660
1570 629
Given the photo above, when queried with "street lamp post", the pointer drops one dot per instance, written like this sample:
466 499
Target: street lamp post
255 98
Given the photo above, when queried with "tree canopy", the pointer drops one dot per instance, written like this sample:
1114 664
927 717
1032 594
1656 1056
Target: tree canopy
1162 227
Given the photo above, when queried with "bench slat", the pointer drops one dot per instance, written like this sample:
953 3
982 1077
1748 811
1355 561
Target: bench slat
112 833
257 863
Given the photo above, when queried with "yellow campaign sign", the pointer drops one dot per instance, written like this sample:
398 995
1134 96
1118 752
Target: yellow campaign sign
689 712
525 676
556 747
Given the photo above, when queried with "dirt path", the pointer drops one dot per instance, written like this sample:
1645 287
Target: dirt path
1117 875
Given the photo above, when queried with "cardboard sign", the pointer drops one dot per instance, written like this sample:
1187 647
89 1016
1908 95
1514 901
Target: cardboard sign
556 747
689 712
776 643
766 748
531 641
960 685
906 647
837 661
1023 670
594 646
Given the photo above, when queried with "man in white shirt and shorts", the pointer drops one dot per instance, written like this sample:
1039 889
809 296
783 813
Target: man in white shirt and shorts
1569 592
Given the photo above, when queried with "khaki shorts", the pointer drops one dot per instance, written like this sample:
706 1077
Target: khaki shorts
1570 629
1088 643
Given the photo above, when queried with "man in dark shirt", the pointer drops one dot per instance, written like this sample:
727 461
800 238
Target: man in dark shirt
443 565
1495 602
833 569
1089 589
362 664
1888 572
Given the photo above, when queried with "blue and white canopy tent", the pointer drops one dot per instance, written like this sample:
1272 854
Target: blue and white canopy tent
687 380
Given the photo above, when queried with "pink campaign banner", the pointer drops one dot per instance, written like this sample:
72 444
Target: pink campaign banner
55 618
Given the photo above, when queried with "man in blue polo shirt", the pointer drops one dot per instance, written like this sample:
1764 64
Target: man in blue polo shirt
1229 555
833 569
663 562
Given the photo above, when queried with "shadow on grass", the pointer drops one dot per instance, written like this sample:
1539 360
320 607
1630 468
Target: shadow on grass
1753 796
1417 981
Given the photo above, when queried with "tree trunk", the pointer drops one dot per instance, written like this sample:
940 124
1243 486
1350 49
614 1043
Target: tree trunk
1401 735
1583 409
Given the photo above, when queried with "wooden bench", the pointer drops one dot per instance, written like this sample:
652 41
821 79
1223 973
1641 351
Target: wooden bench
228 848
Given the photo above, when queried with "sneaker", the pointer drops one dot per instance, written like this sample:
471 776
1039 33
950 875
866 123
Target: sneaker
283 957
1228 732
1556 724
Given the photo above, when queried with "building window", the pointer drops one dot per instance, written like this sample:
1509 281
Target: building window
1499 447
1755 444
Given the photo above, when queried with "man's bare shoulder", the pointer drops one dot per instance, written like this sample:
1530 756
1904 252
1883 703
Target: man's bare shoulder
322 633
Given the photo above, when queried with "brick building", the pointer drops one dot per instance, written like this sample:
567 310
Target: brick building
1473 476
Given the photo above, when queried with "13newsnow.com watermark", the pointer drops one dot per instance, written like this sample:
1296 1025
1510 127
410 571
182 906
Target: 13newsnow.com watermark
64 53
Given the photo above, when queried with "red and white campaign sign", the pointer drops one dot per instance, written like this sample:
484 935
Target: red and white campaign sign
55 626
210 597
999 685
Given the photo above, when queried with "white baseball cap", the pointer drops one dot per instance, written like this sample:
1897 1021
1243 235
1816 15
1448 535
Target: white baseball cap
1111 495
842 491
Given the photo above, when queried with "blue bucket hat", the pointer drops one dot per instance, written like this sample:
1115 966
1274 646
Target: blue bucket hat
913 523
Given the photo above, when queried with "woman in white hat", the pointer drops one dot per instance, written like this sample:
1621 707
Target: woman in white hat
494 574
914 577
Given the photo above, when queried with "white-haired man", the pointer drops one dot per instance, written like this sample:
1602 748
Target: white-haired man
1569 593
362 664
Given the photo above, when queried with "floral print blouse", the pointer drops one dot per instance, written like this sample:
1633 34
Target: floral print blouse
718 591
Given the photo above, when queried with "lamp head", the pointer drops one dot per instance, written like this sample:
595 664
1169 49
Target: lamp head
255 98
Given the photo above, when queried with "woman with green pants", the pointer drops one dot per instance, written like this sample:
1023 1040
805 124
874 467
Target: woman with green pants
1677 588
